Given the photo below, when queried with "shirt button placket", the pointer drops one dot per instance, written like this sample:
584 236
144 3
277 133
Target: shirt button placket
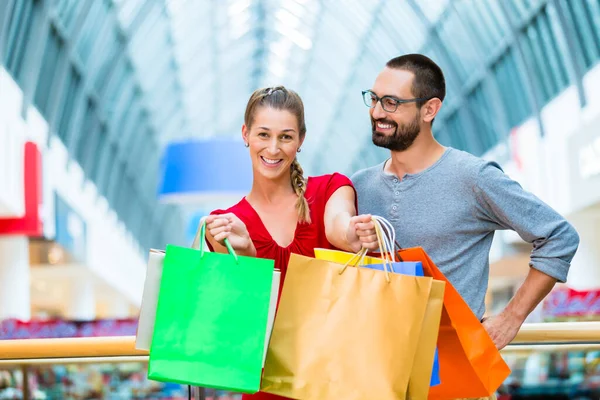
395 198
394 210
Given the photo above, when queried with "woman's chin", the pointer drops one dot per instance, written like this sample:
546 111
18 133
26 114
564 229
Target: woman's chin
271 172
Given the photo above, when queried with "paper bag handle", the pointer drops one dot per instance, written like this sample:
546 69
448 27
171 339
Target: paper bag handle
359 256
393 244
386 256
199 242
383 240
386 237
388 231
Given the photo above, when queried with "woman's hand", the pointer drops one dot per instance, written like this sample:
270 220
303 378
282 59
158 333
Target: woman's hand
361 233
219 227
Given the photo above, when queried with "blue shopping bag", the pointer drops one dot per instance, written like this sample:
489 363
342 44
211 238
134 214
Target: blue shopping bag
413 269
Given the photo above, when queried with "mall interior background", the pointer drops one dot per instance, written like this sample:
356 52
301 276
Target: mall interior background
95 93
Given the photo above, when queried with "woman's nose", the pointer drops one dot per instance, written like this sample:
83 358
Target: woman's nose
273 146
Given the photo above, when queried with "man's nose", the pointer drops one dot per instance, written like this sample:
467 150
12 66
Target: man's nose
378 112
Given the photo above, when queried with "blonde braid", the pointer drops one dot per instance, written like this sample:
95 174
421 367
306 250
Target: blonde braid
299 185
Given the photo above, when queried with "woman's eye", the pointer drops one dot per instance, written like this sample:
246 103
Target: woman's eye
286 137
263 134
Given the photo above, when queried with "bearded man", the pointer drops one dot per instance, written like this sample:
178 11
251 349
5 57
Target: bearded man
450 202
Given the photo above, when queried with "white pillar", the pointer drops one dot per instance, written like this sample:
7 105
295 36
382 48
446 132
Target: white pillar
585 268
81 303
15 296
118 308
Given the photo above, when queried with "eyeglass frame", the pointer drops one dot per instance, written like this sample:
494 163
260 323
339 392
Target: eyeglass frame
397 100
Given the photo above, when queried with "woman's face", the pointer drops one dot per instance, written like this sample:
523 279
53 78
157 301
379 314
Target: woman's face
273 140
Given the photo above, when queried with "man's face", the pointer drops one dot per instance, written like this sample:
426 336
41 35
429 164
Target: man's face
397 130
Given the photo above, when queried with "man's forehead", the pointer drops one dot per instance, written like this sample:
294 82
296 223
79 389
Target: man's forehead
393 82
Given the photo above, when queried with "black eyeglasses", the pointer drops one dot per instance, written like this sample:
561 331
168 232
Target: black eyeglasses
388 103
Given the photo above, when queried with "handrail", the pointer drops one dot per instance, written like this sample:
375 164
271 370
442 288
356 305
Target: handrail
73 360
559 332
546 348
124 346
113 346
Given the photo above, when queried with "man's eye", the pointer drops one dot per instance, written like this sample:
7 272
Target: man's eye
390 102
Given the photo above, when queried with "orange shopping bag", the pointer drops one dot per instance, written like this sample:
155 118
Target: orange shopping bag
470 363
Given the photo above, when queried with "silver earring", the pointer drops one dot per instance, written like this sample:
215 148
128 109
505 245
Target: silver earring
246 144
299 150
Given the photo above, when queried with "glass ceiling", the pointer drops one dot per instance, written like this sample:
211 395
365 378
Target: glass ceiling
119 79
198 61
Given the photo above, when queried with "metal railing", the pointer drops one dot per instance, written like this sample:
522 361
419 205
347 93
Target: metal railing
25 353
539 336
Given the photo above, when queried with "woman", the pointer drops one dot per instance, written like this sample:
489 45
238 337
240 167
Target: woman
285 213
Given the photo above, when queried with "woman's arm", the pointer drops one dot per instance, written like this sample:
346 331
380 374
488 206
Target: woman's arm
343 228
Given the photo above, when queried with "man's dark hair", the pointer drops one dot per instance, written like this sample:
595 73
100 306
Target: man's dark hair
429 79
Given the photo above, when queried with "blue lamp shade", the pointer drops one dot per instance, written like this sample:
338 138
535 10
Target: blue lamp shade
192 224
205 172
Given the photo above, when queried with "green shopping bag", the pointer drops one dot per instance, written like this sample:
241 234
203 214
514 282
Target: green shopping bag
211 319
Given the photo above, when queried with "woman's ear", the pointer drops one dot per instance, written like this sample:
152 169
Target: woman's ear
245 133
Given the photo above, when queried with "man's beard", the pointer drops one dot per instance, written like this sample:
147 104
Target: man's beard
402 138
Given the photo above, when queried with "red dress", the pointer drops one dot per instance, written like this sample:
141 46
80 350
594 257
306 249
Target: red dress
306 238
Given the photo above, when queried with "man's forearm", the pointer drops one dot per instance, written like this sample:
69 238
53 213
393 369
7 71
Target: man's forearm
537 285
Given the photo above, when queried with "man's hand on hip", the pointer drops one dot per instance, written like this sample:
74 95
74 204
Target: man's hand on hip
502 328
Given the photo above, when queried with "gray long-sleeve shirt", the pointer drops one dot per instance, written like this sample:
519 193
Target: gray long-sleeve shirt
452 210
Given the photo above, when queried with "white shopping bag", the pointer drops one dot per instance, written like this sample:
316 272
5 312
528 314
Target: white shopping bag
145 328
272 308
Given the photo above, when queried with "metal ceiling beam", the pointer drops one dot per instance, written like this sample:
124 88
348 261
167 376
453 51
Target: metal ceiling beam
34 54
153 127
339 101
524 66
318 25
499 109
574 63
139 18
131 31
6 10
120 158
260 35
215 112
501 48
188 17
484 71
433 36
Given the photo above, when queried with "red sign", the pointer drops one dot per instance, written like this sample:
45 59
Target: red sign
569 303
15 329
30 224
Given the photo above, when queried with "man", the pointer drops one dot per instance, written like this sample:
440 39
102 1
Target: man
450 202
